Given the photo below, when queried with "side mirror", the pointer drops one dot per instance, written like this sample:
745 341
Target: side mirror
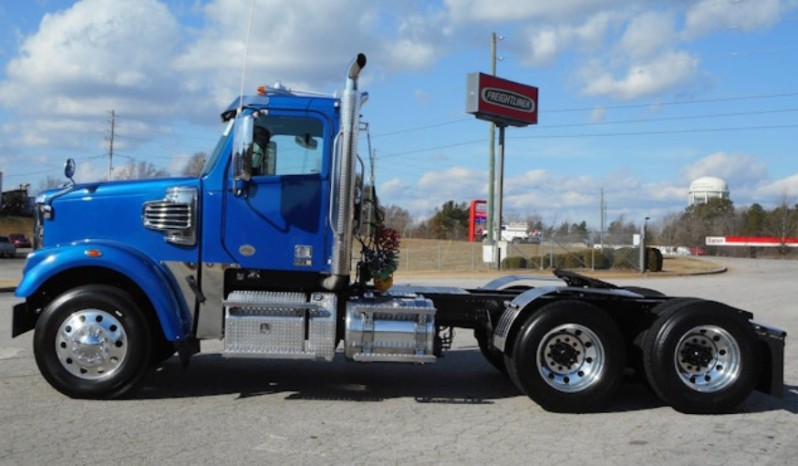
69 170
307 142
242 148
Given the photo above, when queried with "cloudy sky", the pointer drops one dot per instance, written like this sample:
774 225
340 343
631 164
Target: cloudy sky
637 97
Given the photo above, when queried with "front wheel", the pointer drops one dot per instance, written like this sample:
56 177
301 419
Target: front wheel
702 357
92 342
569 356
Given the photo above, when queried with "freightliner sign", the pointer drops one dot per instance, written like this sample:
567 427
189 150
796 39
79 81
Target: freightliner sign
501 101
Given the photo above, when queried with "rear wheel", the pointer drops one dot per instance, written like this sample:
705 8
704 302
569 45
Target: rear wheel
568 356
92 342
702 357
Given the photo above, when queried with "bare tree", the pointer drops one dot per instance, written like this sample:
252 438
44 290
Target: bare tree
51 182
195 164
783 222
397 218
139 170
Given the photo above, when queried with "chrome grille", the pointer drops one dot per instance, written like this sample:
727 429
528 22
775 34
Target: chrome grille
175 215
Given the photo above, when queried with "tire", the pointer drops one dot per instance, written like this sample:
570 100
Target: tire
701 357
568 357
636 352
493 355
92 342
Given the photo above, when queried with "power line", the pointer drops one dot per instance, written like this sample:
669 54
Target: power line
591 135
418 128
663 104
50 170
612 107
675 131
676 118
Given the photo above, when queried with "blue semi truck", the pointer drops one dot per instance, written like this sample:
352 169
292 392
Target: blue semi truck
259 251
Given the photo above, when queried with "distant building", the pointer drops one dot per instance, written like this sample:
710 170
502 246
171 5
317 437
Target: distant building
706 188
17 201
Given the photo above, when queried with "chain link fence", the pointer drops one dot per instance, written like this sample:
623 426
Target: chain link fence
572 251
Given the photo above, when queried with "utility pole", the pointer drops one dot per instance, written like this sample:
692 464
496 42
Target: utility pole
111 146
492 158
491 149
603 225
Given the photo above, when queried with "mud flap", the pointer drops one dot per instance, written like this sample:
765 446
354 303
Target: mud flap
771 381
23 320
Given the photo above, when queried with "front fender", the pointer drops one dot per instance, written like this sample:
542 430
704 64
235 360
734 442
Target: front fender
154 280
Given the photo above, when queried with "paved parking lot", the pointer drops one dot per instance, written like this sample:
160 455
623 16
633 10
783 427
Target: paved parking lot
456 411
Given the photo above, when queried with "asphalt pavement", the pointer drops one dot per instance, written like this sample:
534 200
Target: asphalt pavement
11 270
457 411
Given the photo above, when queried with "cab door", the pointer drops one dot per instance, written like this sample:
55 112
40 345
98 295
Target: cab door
277 219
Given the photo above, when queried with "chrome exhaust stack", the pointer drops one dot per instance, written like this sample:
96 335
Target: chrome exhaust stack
344 179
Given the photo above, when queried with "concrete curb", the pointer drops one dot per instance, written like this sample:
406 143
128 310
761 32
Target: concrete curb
708 272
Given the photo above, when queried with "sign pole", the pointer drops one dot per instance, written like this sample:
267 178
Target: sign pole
500 193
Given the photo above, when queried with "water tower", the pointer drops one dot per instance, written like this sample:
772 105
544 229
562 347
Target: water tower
707 188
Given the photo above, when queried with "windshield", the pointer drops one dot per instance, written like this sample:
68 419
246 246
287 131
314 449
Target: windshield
217 150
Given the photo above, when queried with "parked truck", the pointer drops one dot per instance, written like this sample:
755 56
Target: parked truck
514 233
257 251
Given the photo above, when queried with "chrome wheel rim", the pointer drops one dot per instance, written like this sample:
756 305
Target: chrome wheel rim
707 359
91 344
570 358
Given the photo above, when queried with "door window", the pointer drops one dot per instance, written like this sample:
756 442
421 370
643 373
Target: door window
287 146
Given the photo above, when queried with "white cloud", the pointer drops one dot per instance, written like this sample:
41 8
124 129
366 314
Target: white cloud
393 187
94 53
664 73
707 16
647 34
546 44
84 61
775 192
469 183
735 169
414 54
524 10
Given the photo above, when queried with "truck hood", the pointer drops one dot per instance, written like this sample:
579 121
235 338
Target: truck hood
111 211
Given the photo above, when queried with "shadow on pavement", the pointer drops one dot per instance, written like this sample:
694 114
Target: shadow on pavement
462 377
